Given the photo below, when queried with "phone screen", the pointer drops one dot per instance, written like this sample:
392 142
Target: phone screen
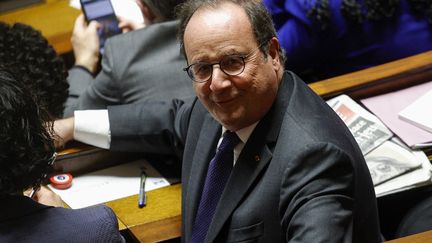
103 12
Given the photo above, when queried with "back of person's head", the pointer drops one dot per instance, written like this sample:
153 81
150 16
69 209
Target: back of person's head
26 146
259 17
163 9
26 53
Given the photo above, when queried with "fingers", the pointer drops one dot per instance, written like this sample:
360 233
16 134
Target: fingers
85 43
48 197
93 26
80 23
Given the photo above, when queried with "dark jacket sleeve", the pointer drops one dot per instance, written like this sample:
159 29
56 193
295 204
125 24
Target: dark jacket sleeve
155 126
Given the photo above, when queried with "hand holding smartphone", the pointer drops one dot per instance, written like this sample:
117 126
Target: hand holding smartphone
102 12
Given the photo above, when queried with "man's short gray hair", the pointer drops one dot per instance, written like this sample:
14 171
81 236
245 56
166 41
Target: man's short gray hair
259 17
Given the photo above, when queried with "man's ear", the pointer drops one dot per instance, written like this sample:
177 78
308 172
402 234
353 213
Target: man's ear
274 47
148 14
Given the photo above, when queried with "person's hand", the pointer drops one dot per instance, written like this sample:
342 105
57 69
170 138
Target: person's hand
64 129
127 25
48 197
85 43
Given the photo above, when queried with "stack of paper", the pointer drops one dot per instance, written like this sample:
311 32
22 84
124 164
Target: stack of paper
389 161
394 167
367 129
410 180
419 113
387 107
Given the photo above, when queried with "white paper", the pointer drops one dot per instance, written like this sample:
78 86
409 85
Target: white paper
367 129
413 179
419 113
390 160
125 8
387 106
110 184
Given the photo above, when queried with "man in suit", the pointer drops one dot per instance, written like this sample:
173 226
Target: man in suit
298 174
141 65
26 157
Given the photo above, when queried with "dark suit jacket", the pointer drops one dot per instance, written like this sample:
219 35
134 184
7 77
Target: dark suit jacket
300 177
24 220
141 65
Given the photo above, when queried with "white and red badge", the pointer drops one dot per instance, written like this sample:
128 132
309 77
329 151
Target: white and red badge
61 181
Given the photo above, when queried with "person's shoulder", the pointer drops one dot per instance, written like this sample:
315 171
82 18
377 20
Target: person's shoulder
142 37
99 221
97 216
156 29
153 29
98 212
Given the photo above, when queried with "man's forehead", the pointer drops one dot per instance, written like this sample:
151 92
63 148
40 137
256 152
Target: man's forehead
223 14
221 21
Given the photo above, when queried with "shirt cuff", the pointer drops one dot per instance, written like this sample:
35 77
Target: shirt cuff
92 127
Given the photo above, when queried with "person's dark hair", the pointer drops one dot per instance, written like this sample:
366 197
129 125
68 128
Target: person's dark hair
357 12
26 53
164 9
26 146
259 17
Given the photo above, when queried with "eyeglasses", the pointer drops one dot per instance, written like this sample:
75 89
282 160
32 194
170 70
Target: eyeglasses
231 65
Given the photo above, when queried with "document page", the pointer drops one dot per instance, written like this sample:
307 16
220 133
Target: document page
390 160
387 106
419 112
110 184
367 129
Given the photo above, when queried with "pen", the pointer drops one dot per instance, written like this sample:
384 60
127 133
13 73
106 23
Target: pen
142 197
33 192
422 146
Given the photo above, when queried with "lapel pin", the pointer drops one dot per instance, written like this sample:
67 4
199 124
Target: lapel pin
257 158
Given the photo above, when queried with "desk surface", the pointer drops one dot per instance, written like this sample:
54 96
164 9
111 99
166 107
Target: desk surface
379 79
54 18
423 237
159 220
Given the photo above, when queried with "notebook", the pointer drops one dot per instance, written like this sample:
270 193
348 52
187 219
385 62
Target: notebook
419 113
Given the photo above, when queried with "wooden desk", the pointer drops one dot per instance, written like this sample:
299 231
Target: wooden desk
379 79
423 237
159 220
54 18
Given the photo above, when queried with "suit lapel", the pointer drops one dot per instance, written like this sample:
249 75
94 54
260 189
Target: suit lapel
205 150
247 169
254 158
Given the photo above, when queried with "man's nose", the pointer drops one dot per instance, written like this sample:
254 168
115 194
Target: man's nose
219 78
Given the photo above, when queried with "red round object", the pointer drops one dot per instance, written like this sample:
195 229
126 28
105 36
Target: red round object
61 181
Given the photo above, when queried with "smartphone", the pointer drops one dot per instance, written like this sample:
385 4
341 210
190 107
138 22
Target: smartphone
103 12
